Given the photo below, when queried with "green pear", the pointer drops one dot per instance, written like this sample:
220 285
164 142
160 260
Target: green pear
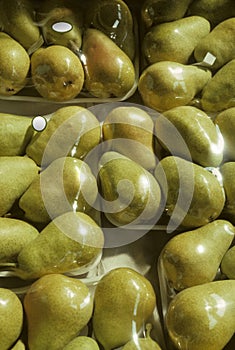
174 41
67 184
228 263
227 171
15 64
194 196
15 134
130 132
184 255
14 235
203 140
124 300
57 307
165 85
17 173
146 343
11 318
131 194
226 123
19 346
111 73
71 131
57 73
218 93
82 343
202 317
219 42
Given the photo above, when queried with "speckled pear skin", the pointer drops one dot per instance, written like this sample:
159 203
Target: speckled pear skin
203 140
184 255
83 343
57 308
228 172
123 298
11 318
19 346
203 316
130 132
146 343
174 41
199 189
228 263
17 173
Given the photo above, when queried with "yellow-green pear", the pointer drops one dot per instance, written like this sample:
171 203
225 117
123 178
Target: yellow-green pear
82 343
174 41
165 85
202 317
17 173
19 346
145 343
67 184
228 263
124 300
109 72
203 140
11 318
57 307
183 256
227 171
15 64
194 196
71 131
129 131
218 93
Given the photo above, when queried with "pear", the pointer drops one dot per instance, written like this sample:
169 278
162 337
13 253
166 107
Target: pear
130 132
131 194
57 73
124 300
226 123
228 263
203 140
15 64
218 93
112 73
57 307
227 171
165 85
174 41
82 343
71 131
19 346
184 255
146 343
67 184
17 173
11 318
202 317
14 235
219 42
194 196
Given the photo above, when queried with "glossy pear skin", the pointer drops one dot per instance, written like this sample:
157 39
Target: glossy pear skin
146 343
116 308
228 263
11 318
203 316
82 342
18 346
228 172
57 308
184 255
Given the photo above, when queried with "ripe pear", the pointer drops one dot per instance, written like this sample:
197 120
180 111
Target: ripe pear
131 194
71 131
15 134
203 140
202 317
227 171
15 64
82 343
124 300
67 184
130 132
228 263
146 343
219 42
194 196
109 72
17 173
11 318
57 307
165 85
226 123
57 73
218 93
19 346
174 41
184 255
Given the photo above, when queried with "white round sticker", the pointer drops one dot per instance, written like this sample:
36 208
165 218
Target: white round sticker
62 27
39 123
